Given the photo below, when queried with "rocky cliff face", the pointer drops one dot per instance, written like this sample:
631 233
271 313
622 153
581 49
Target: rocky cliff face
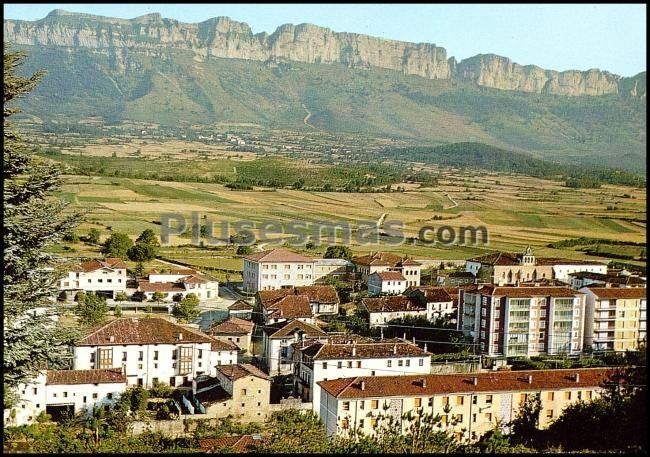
223 37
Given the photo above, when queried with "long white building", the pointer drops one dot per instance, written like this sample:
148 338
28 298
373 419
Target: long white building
350 356
71 391
152 350
104 277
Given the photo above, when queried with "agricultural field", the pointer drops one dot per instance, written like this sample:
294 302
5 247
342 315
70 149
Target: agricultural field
516 211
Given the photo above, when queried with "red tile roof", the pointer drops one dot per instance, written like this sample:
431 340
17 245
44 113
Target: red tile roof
315 294
278 255
66 377
497 381
612 293
241 370
221 345
389 275
290 307
535 292
196 279
146 286
510 258
378 259
146 330
232 326
391 304
434 294
240 305
324 350
295 325
110 262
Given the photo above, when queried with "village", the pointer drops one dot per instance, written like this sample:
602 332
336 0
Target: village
280 340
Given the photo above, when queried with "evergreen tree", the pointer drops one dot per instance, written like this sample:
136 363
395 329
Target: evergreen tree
33 221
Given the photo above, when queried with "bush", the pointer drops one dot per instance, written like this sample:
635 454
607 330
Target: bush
117 312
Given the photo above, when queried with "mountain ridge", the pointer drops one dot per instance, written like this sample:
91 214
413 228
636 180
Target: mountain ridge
225 38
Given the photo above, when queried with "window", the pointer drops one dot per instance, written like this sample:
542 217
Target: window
346 406
474 400
109 395
243 391
458 418
542 324
65 394
35 390
362 404
95 395
200 355
460 400
358 363
389 363
488 399
374 404
549 414
140 381
488 417
155 355
372 373
589 394
106 358
140 356
339 364
550 396
542 312
474 417
324 365
345 423
445 401
408 363
579 395
400 363
100 280
349 364
373 423
567 395
541 335
124 356
139 366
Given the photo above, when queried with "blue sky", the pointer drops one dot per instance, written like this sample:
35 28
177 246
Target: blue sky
560 37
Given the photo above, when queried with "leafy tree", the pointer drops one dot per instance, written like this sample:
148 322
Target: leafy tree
141 252
148 237
525 426
161 390
244 250
71 237
158 296
294 431
117 311
338 252
93 236
32 221
80 297
92 309
117 245
188 308
495 442
121 296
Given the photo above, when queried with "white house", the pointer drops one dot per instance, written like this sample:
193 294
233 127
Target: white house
277 340
377 262
384 309
386 282
324 268
150 349
173 275
104 277
439 304
275 269
179 286
349 356
72 391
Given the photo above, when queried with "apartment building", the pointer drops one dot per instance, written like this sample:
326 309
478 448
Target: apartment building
523 321
71 391
385 309
615 318
377 262
104 277
277 340
349 356
506 268
386 283
151 350
469 404
275 269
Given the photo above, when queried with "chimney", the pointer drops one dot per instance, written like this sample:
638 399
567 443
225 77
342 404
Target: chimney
124 368
404 338
577 377
394 349
413 340
530 379
382 332
354 351
180 336
425 347
424 382
111 338
363 384
475 380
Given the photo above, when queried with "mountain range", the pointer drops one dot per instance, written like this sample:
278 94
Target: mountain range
160 70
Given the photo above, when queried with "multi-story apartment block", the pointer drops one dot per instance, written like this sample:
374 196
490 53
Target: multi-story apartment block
277 340
505 268
615 318
377 262
275 269
104 277
349 356
152 350
384 309
523 321
469 404
386 283
71 391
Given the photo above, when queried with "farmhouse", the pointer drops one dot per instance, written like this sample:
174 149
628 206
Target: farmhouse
439 303
384 309
177 285
386 283
375 262
304 303
234 330
104 277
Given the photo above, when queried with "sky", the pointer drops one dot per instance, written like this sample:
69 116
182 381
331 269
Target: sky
610 37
